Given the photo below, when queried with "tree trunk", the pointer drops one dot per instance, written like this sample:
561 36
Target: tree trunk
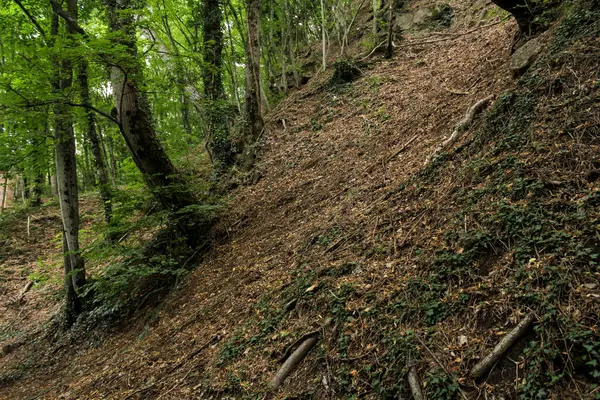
36 192
66 177
374 17
212 77
25 191
4 196
283 22
389 51
323 35
234 81
53 185
524 12
133 113
92 134
254 119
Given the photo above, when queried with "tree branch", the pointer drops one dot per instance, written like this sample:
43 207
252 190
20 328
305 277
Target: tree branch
31 18
70 20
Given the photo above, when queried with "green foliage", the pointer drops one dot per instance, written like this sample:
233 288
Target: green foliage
440 386
442 15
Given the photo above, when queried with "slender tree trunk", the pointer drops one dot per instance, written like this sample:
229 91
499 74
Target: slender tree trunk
92 134
25 192
39 162
254 119
66 176
233 72
113 161
4 196
374 17
389 51
284 41
87 177
323 35
16 192
36 192
135 120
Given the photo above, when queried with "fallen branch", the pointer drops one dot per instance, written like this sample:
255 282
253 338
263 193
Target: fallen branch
484 365
293 360
24 291
462 126
415 385
372 51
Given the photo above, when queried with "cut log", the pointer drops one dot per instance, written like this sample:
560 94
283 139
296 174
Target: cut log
484 365
293 360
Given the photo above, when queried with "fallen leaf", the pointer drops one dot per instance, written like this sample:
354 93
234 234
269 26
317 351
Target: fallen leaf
312 288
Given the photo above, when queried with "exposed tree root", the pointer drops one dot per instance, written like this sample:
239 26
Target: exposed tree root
293 360
415 384
484 365
462 126
24 291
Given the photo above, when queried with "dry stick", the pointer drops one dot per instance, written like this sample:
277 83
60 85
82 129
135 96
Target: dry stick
415 385
484 365
293 360
462 126
372 51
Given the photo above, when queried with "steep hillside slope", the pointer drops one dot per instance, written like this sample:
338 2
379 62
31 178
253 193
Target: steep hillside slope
391 263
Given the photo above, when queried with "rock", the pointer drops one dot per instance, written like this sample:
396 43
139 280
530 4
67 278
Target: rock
522 59
431 17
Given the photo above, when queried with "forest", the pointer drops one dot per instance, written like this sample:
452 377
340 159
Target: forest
291 199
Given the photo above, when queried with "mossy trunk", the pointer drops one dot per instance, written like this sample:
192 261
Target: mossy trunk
133 114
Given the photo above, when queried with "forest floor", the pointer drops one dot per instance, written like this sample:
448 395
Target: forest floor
328 231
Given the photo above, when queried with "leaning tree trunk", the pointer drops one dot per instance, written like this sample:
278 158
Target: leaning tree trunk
524 12
218 139
92 133
254 119
66 177
134 117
